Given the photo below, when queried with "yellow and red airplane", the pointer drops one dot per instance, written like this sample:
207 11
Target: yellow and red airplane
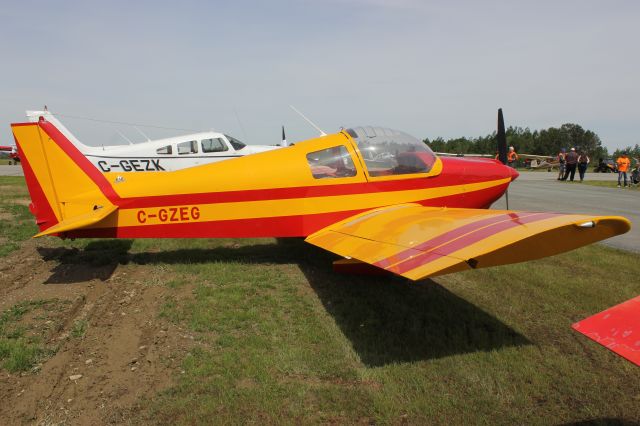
374 196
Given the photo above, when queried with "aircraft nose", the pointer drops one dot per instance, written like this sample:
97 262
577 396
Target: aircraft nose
514 173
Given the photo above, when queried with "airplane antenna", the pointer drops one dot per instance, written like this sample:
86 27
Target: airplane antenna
284 139
308 121
142 133
235 111
124 137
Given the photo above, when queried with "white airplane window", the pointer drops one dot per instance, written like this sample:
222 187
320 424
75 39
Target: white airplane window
190 147
335 162
235 143
391 152
164 150
214 145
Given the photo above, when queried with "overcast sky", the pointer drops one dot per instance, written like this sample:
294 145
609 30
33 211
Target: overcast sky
428 68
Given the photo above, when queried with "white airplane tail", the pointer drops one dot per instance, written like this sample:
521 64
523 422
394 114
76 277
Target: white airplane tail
34 117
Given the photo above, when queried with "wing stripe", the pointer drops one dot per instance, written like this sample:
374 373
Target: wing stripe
448 236
467 240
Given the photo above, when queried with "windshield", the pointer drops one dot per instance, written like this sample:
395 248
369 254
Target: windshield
391 152
235 143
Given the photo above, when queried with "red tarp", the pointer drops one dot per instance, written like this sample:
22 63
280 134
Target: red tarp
617 329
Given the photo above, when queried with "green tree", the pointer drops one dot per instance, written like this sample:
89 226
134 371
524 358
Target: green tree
538 142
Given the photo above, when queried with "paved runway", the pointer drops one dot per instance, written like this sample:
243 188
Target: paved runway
538 191
6 170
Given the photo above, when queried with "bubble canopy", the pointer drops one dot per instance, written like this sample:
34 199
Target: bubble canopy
391 152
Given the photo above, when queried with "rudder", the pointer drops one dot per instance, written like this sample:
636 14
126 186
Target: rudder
62 183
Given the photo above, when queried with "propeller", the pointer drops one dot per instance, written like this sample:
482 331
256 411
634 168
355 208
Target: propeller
501 138
284 139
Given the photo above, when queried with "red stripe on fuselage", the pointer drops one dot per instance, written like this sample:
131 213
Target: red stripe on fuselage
284 193
467 240
453 174
280 226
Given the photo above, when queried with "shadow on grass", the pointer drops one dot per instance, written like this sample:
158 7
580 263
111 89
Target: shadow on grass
98 260
387 319
390 319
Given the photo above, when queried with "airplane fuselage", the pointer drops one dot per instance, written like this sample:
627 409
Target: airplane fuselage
159 155
289 192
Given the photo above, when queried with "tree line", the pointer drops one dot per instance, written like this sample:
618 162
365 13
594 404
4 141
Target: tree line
633 152
538 142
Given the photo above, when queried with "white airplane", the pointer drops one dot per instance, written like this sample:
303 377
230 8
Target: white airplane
158 155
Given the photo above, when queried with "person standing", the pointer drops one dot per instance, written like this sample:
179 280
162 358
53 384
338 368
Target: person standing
572 160
562 160
512 157
635 174
583 162
623 167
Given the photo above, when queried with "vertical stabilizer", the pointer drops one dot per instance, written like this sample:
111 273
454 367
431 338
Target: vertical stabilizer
63 184
34 117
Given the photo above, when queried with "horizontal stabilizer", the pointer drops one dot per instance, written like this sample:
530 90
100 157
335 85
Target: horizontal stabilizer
78 222
418 242
617 329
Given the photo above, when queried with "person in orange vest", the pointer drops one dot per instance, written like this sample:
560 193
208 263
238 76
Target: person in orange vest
512 157
623 167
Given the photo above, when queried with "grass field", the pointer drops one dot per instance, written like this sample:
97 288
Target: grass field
610 184
279 338
16 222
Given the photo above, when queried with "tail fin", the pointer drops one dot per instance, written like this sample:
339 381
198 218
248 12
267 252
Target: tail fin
35 116
67 191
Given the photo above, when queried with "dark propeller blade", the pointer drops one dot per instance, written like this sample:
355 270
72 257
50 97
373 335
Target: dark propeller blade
502 139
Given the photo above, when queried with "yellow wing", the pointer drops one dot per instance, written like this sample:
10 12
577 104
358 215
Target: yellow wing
418 242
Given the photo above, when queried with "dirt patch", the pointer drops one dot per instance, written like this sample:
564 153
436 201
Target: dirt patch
8 187
21 201
12 189
113 349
